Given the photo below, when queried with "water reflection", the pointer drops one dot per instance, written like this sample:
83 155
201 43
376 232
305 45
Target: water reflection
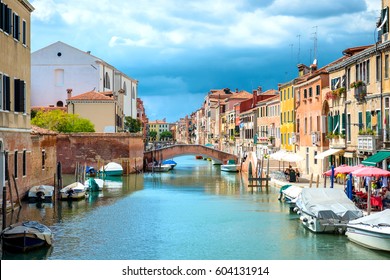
191 212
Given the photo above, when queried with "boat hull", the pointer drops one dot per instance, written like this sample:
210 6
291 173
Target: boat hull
40 193
23 237
75 191
159 168
377 238
230 168
318 225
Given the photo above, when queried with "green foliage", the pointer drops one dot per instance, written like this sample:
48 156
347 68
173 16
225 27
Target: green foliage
132 125
153 135
166 135
60 121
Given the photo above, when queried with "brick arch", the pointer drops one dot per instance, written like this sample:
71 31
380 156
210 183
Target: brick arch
181 150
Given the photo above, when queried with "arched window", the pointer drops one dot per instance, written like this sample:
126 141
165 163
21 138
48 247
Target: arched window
107 81
60 104
124 88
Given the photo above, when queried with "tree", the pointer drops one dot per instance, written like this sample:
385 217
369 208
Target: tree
166 135
133 125
153 135
60 121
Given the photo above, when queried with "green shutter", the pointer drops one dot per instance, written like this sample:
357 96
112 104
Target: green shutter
330 124
379 117
344 123
368 119
360 120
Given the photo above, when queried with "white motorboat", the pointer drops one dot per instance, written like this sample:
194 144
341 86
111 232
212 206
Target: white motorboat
230 166
152 167
112 169
41 193
25 236
372 231
326 209
170 162
93 184
73 191
291 193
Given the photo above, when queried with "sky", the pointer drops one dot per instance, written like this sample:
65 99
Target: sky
179 50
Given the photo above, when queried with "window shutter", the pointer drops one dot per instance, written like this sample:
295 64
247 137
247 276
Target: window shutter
7 100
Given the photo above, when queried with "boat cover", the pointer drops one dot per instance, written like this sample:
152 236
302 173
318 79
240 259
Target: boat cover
376 219
111 166
292 191
328 204
41 231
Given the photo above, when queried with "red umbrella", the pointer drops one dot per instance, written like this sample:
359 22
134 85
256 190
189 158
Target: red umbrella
370 171
343 169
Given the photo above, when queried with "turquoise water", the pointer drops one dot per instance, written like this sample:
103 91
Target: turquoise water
194 212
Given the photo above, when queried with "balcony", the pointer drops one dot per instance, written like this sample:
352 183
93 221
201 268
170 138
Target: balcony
337 143
369 143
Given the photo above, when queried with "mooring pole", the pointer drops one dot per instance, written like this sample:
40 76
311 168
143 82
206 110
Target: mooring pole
4 207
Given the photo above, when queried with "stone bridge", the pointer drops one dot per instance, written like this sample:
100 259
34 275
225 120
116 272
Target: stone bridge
183 149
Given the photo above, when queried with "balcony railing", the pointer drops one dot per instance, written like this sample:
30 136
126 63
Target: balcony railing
337 143
369 143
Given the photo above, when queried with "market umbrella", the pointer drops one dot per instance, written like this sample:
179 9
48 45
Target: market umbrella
370 171
292 157
278 155
343 169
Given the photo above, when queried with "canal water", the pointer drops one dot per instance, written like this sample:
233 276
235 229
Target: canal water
195 212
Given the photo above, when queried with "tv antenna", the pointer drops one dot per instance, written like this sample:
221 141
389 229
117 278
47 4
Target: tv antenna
315 44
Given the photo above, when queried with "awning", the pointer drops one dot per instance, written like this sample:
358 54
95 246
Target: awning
328 153
349 154
378 157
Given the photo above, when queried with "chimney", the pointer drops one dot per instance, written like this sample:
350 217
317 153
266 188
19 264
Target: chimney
313 68
259 89
69 92
236 90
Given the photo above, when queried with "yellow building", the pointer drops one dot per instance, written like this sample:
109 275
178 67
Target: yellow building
15 71
101 108
287 116
158 126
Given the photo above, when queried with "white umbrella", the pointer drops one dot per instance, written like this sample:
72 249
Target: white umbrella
292 157
278 155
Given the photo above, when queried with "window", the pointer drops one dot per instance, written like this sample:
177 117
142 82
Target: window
386 66
349 127
378 68
335 83
16 164
305 93
310 92
43 159
1 92
24 32
315 160
6 165
305 128
318 90
107 81
298 129
16 27
20 96
360 120
24 163
5 18
6 101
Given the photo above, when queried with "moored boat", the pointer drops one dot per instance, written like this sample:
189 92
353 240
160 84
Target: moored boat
73 191
372 231
230 166
326 210
41 193
158 168
25 236
199 157
93 184
170 162
112 169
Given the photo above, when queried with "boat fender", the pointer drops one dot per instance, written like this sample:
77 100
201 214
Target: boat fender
295 209
40 195
70 192
299 212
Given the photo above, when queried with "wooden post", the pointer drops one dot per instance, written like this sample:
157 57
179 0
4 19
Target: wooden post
10 190
267 175
4 207
318 180
17 191
311 179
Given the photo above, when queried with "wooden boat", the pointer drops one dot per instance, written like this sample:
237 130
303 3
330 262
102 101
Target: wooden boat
112 169
73 191
170 162
230 166
41 193
93 184
25 236
371 231
326 210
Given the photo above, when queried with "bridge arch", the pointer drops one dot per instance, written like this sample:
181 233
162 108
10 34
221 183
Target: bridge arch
184 149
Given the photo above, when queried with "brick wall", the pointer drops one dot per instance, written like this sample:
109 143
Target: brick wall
97 149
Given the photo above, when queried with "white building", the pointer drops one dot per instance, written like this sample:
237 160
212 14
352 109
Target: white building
59 67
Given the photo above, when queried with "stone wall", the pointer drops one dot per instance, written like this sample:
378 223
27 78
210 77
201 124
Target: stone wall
97 149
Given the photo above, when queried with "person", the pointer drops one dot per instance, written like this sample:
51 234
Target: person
297 173
385 195
287 172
